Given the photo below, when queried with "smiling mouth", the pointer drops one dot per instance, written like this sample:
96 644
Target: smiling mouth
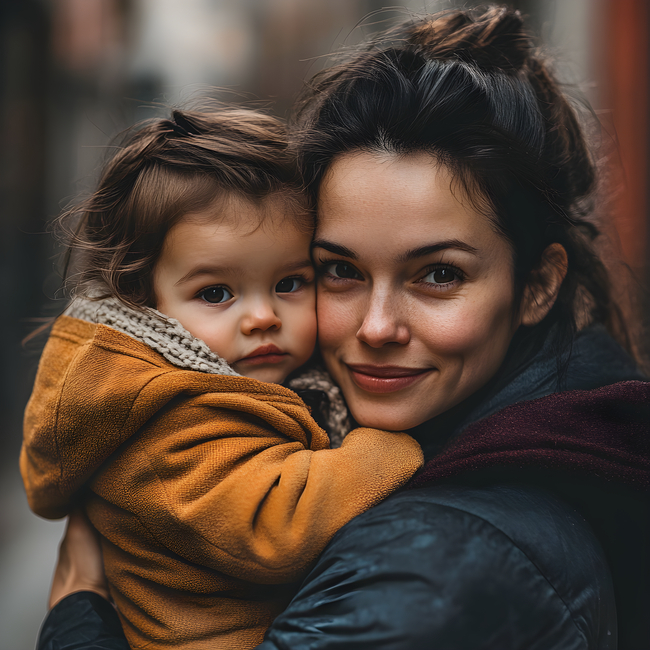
385 379
264 354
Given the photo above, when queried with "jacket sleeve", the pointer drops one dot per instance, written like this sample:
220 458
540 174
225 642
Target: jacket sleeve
227 489
446 578
82 621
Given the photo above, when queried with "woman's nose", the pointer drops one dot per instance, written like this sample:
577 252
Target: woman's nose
384 322
260 315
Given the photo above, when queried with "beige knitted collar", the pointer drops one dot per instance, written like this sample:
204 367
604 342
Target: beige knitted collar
162 334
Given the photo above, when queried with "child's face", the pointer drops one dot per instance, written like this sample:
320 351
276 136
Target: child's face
245 288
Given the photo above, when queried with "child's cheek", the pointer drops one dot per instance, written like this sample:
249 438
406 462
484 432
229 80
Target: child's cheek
309 322
338 320
309 333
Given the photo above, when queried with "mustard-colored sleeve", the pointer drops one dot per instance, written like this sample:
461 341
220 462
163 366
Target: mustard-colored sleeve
225 489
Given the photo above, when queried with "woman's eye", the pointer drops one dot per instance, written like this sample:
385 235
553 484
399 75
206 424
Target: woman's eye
288 285
215 295
341 270
440 276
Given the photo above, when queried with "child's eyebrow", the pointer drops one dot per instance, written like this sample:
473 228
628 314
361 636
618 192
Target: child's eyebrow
297 266
202 270
223 270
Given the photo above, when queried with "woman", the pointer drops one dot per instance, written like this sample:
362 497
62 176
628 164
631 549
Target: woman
460 298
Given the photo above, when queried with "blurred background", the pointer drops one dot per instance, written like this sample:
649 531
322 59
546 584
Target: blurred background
74 73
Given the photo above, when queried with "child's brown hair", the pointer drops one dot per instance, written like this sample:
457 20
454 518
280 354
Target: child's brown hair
164 169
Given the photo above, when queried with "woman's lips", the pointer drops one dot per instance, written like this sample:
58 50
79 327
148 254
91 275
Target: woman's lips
264 354
385 379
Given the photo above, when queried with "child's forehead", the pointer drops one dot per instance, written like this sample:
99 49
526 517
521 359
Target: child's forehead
238 239
275 211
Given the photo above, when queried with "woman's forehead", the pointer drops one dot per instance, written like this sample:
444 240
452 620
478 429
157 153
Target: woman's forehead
399 202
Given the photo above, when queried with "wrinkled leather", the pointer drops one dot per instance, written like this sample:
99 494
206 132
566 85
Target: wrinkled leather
456 567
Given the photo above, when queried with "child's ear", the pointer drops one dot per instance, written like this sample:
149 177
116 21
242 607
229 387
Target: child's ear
544 285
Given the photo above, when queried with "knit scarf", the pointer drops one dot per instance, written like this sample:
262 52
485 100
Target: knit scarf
604 432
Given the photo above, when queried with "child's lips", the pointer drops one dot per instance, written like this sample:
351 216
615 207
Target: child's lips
264 354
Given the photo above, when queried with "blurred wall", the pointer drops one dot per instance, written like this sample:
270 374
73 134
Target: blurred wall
75 72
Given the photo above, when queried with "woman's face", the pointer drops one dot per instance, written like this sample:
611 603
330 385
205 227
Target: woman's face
416 293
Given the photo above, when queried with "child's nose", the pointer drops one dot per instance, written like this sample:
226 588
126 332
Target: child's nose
260 316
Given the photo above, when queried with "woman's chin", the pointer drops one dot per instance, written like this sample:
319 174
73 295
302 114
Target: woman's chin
388 419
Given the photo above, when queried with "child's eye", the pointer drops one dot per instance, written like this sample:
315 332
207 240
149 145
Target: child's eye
289 285
215 295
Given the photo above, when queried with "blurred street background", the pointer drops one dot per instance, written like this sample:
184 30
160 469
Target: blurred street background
74 73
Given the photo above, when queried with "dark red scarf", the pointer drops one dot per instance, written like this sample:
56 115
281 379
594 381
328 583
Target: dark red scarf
604 432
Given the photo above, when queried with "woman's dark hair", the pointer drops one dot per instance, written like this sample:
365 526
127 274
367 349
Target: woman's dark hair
468 87
165 169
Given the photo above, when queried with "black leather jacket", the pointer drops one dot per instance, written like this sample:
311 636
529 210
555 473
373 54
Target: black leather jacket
456 567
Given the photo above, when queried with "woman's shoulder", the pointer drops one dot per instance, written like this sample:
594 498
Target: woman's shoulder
514 536
539 525
497 566
529 517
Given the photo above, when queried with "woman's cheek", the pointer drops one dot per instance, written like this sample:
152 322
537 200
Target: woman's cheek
449 328
471 333
306 333
488 339
449 336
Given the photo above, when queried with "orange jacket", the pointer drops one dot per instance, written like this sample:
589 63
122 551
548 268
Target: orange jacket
212 493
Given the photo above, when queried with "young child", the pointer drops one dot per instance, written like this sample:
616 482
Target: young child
158 402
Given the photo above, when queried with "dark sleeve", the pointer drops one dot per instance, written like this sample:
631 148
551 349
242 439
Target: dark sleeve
82 621
416 573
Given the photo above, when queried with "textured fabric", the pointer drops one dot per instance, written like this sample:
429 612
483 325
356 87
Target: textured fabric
605 431
337 418
168 337
500 555
505 566
212 493
477 560
455 567
82 621
161 333
411 574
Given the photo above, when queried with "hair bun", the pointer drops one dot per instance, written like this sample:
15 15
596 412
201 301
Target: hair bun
493 37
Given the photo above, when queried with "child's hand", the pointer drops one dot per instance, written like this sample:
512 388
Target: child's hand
80 566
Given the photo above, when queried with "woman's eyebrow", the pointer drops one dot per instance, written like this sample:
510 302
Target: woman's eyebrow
337 249
422 251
